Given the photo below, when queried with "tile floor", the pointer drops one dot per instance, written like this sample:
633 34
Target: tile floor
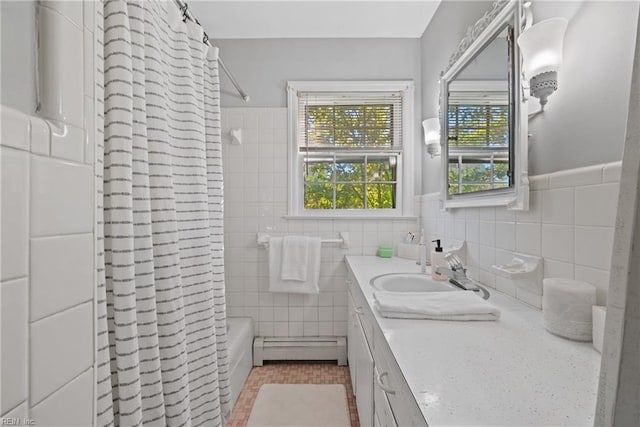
291 373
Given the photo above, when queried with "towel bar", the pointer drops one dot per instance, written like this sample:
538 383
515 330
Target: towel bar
263 240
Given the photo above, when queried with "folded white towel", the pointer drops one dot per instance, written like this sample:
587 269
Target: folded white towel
450 305
294 258
310 286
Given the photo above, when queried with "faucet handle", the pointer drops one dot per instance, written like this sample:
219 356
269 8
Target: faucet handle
454 261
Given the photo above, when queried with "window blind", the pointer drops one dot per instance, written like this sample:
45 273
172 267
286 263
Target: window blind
349 143
476 126
350 122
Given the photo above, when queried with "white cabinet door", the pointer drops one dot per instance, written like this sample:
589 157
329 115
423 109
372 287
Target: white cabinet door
352 328
383 412
364 379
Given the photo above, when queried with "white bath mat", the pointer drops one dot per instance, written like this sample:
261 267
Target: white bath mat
300 405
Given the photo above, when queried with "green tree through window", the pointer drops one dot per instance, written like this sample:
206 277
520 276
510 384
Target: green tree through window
478 141
350 156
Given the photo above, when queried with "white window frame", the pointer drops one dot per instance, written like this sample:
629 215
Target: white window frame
405 165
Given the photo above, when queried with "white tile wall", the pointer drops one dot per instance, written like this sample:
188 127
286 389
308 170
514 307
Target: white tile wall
255 176
61 197
15 131
14 362
47 258
40 137
558 206
576 177
61 348
67 142
570 224
71 10
19 411
528 238
14 254
594 246
71 406
61 273
586 213
558 242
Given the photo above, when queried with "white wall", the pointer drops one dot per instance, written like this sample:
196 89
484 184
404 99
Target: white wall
255 174
47 259
18 50
439 41
491 64
570 225
263 67
584 121
255 191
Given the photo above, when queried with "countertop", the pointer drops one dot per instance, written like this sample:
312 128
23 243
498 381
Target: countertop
510 372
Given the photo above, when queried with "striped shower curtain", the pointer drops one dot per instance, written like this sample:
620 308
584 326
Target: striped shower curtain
162 357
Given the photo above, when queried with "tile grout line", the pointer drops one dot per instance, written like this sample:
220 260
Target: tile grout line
44 399
31 322
16 407
54 236
68 19
16 278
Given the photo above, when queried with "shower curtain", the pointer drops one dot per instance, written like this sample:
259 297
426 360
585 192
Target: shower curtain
162 356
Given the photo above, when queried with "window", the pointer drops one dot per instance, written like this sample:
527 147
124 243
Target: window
348 141
478 130
478 141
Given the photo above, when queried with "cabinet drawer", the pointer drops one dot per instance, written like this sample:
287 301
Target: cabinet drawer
389 378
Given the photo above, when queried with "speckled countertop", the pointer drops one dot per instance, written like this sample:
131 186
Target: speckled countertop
511 372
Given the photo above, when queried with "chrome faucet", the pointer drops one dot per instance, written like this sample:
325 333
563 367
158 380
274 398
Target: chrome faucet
456 273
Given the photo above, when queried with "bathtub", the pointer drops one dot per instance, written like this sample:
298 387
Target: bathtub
239 349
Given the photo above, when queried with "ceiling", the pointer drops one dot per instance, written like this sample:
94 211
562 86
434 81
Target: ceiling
241 19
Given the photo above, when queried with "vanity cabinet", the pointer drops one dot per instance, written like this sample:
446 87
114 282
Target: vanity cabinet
383 416
382 396
360 364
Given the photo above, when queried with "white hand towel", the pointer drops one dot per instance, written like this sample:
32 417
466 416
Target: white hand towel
295 258
453 305
276 284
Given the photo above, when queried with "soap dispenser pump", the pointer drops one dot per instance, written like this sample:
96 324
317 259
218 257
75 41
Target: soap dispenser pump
437 260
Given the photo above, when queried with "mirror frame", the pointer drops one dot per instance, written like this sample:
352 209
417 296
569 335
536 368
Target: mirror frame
477 37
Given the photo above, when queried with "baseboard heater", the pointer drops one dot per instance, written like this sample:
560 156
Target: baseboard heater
299 348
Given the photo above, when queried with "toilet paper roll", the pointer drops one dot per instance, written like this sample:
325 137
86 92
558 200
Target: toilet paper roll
566 308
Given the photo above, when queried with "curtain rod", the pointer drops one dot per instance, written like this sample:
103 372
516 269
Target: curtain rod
186 13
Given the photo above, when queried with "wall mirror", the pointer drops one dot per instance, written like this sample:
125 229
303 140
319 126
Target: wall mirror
483 115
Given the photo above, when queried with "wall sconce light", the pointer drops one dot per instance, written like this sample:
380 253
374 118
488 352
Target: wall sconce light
432 136
541 45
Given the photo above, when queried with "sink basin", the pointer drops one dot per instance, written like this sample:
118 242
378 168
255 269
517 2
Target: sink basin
410 282
414 282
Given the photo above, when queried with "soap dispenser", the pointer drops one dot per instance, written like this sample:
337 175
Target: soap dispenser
437 260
